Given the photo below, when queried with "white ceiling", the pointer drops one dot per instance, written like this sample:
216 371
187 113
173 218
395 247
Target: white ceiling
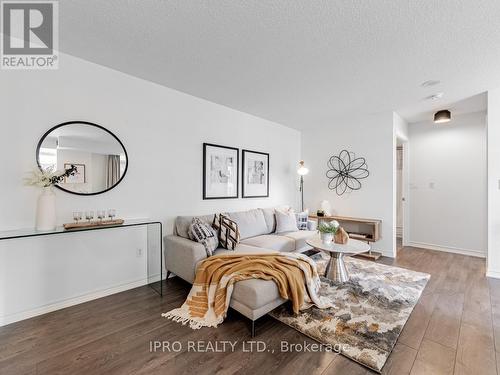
300 63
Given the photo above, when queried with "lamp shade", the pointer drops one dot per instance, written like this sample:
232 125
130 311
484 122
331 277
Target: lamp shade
443 116
302 169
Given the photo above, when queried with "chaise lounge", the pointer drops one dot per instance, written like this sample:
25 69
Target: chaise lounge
253 298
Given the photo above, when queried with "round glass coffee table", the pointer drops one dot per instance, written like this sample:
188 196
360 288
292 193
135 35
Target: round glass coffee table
336 269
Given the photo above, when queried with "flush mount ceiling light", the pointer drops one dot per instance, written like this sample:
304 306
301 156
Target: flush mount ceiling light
443 116
430 83
435 96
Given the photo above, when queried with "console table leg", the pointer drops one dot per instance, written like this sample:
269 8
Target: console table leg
152 268
161 259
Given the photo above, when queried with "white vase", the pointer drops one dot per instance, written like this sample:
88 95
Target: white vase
326 237
46 210
326 207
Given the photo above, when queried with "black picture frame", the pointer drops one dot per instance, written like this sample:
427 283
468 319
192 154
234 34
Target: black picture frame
206 194
40 142
244 193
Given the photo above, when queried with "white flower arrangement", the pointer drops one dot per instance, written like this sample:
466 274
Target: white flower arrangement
329 227
46 177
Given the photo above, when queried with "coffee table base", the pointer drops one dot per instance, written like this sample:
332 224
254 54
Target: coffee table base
336 269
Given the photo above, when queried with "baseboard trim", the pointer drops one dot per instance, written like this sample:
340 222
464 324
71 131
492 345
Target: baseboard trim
12 318
493 274
387 254
448 249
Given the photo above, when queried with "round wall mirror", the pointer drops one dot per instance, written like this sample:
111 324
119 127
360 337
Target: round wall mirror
97 156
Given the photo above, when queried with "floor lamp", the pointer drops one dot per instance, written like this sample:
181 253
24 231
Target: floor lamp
302 171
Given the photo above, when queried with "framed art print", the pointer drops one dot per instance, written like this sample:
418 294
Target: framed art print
220 172
255 174
78 177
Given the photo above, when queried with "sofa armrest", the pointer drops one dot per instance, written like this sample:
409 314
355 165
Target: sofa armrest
182 256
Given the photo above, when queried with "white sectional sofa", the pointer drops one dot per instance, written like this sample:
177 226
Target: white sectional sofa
252 298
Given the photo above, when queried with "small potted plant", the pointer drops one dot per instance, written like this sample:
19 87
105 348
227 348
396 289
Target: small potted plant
327 230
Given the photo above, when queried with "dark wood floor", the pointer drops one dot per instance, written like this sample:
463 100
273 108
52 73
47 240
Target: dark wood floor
454 329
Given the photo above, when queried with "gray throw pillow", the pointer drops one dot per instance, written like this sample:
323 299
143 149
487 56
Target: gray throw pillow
203 233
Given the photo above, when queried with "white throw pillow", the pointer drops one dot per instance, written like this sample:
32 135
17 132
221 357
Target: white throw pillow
286 221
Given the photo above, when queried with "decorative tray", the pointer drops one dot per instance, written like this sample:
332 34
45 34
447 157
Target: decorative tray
93 224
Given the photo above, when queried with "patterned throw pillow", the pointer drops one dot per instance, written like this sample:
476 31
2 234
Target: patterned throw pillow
229 234
302 218
203 233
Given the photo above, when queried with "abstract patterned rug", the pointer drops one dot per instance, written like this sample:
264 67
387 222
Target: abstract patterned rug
370 310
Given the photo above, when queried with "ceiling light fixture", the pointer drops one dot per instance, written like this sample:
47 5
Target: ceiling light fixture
435 96
430 83
443 116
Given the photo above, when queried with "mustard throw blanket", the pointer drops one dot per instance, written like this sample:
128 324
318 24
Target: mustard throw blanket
206 305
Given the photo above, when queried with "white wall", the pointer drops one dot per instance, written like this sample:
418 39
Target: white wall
372 137
493 123
163 131
448 185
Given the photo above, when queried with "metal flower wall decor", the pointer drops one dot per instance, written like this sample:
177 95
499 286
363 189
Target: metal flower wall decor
345 171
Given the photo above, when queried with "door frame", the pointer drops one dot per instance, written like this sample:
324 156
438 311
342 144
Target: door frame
403 142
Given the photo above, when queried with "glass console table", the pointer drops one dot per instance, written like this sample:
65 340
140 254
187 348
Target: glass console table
154 234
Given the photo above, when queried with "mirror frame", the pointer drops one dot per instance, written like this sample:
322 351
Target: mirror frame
90 124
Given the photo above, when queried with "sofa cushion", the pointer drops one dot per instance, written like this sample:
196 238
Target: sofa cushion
251 223
272 242
255 293
243 249
182 224
300 237
270 218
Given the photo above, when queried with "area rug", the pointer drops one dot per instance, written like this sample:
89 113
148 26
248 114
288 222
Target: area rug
370 310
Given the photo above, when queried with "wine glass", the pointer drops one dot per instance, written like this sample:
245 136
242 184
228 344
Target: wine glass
101 214
89 215
111 214
77 216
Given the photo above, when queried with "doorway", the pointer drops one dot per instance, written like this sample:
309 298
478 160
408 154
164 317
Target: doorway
401 192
